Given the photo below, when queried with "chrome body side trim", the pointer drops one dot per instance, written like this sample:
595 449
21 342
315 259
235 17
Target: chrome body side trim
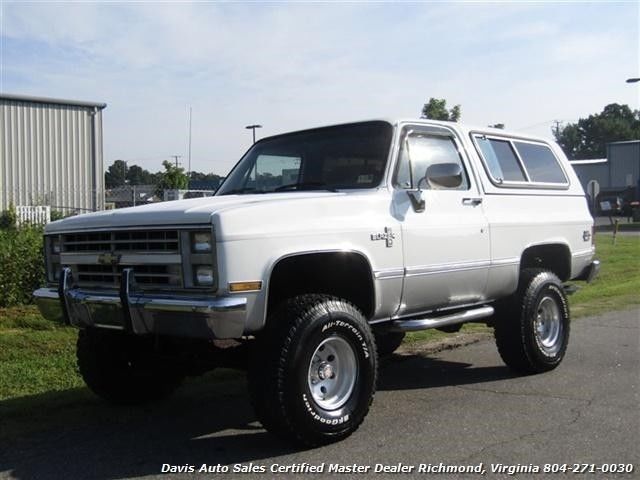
446 268
389 273
505 261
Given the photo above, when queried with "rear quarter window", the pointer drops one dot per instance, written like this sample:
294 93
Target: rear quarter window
540 162
520 163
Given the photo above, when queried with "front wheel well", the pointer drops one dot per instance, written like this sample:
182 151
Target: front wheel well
555 257
345 275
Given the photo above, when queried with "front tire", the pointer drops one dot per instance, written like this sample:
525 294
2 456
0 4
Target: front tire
532 327
124 369
313 371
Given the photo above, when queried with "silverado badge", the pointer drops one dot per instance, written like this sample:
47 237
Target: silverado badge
388 236
108 259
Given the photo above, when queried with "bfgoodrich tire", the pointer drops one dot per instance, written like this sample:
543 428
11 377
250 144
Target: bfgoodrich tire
313 371
532 327
124 369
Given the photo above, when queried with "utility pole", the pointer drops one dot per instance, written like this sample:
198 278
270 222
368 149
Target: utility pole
556 129
189 171
253 127
176 157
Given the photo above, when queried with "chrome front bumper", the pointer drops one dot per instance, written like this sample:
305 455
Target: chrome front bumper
139 313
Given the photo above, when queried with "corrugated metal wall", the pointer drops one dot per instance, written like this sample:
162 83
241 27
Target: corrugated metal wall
594 171
625 163
51 154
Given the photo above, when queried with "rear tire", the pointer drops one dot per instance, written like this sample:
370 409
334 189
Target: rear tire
124 369
532 327
313 371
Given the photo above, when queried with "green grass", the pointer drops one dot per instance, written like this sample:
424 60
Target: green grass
40 384
617 286
35 355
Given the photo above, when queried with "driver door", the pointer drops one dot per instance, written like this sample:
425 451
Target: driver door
446 246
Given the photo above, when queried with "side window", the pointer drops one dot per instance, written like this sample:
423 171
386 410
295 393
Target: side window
421 150
540 162
501 160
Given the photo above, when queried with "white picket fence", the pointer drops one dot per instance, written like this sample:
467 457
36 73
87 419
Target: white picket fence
33 215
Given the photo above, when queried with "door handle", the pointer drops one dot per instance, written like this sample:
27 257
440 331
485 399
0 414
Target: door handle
472 201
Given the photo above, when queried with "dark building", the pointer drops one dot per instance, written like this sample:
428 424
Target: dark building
616 175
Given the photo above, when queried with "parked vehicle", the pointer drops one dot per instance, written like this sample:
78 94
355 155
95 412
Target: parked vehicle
318 252
612 205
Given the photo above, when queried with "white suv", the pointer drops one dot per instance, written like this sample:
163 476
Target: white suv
316 255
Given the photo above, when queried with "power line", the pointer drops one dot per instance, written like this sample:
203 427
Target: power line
546 122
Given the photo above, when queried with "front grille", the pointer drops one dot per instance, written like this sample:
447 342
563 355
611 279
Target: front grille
109 276
146 251
152 241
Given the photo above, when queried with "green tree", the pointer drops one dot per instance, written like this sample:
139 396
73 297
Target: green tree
589 136
436 109
116 174
208 177
137 175
173 178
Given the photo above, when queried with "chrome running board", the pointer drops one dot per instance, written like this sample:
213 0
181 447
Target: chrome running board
415 324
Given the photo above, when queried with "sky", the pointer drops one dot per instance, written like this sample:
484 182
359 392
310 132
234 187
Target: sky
289 66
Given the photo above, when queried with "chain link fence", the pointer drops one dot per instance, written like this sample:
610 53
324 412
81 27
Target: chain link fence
64 203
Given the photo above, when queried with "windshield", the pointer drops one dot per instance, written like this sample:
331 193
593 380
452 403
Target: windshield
341 157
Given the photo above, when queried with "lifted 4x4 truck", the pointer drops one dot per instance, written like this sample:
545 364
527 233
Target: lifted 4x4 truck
316 255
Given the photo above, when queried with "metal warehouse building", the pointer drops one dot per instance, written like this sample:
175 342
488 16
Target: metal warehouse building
51 153
619 173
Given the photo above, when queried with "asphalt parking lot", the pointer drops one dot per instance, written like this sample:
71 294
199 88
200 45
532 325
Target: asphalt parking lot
455 407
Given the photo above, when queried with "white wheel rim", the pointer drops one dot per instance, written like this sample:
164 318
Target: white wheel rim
332 373
548 326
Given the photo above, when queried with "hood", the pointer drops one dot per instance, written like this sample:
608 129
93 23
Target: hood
180 212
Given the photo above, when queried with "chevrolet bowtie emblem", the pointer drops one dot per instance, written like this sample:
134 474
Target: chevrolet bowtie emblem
388 236
108 259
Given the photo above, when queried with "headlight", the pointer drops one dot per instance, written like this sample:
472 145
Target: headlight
204 275
201 242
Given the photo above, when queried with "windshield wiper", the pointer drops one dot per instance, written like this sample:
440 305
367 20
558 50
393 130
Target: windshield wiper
243 190
304 186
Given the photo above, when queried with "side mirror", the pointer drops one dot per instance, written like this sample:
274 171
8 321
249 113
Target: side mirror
447 175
